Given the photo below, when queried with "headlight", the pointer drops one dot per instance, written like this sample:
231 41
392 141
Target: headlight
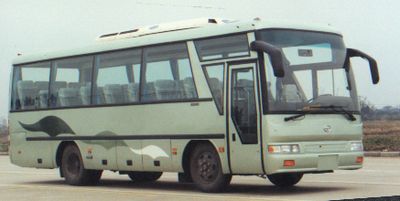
284 149
356 146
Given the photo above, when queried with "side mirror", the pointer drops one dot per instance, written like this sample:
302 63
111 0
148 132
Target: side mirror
275 55
372 63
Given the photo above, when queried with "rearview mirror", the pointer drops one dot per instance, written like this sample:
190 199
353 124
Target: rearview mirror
275 55
372 63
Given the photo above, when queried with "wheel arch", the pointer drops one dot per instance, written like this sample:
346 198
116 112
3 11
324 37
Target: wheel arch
188 152
60 150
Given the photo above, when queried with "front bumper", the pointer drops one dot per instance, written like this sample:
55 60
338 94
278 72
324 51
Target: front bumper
313 163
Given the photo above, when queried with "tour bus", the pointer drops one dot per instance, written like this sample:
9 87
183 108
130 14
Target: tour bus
205 98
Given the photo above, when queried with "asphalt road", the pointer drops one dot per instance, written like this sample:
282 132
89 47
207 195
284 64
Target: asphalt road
379 177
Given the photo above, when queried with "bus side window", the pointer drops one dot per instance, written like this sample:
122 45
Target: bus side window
168 75
30 86
215 80
222 47
118 77
70 78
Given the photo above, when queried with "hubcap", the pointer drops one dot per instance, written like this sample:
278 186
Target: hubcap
73 164
207 166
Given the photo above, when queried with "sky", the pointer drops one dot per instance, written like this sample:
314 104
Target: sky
28 27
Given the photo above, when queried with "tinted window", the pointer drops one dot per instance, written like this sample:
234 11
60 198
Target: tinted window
243 111
222 47
118 77
314 73
168 74
215 79
71 77
30 86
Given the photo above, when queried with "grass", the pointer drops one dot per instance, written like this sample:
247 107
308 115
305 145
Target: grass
382 135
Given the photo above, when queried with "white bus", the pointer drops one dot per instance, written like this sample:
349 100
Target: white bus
205 98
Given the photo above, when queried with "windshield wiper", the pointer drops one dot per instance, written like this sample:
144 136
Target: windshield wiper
335 108
340 109
303 113
294 117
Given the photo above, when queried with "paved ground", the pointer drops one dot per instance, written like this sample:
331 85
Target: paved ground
379 177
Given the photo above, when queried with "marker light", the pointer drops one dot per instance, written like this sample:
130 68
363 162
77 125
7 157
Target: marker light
356 146
284 149
289 163
360 159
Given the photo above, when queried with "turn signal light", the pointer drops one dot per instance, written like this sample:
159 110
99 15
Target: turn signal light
289 163
360 159
284 149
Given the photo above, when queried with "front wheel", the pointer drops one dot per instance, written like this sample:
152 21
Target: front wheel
285 179
73 170
206 170
144 176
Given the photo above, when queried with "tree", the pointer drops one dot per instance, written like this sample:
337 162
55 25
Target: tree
367 109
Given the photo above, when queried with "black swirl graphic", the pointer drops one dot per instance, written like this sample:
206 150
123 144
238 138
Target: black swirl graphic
51 125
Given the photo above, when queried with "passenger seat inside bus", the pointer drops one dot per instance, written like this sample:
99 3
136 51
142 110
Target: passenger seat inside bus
114 93
246 99
190 90
84 93
148 93
165 89
69 97
27 93
133 92
216 88
76 85
54 97
43 93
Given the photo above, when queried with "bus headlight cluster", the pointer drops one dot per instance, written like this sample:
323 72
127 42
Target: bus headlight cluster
356 146
284 149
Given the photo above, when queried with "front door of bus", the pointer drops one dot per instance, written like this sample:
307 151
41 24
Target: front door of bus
243 119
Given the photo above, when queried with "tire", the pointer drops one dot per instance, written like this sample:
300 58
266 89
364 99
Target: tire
144 176
73 171
184 178
285 179
206 170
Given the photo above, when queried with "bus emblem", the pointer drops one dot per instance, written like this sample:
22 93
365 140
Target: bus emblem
328 129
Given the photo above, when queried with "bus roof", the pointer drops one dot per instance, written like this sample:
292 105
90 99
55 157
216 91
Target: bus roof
170 32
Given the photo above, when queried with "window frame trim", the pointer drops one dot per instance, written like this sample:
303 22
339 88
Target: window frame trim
96 53
255 88
222 36
265 103
143 71
203 67
13 90
117 105
53 76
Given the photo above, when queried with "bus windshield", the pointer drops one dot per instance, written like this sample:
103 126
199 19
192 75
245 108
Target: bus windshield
315 76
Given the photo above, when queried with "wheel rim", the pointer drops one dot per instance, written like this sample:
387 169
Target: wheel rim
207 167
73 164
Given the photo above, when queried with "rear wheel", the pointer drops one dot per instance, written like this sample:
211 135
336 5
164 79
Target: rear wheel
285 179
206 170
144 176
73 170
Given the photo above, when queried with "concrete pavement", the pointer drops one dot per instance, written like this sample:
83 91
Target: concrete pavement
379 177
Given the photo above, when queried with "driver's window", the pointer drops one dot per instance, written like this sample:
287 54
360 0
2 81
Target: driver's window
325 82
304 78
333 82
341 84
272 86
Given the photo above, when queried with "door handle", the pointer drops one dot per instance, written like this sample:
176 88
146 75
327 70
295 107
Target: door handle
233 137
